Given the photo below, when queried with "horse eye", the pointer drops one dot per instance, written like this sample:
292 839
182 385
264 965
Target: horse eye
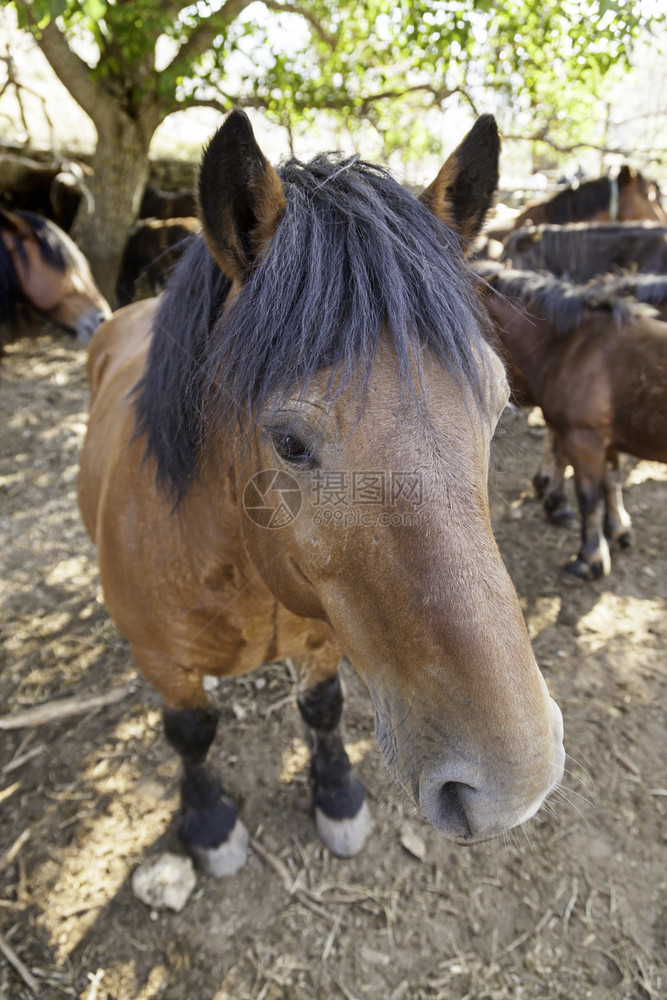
291 449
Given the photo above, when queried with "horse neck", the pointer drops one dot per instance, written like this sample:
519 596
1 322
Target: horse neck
524 337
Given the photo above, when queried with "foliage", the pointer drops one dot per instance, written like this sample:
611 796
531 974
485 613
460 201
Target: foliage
540 63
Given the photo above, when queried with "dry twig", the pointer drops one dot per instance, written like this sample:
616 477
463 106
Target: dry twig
22 970
63 708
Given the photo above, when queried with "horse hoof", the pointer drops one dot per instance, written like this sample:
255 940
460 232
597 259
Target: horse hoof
625 540
586 571
344 837
225 859
562 516
580 568
342 817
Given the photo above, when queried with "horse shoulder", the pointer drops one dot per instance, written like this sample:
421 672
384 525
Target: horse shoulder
176 581
122 338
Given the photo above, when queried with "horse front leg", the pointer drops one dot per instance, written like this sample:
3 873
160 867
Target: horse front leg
617 521
549 481
586 452
209 827
342 816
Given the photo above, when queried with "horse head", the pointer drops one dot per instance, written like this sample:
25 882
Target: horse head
385 454
50 274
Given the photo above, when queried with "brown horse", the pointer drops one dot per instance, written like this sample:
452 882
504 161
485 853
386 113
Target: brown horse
157 204
628 196
44 272
581 251
302 472
597 366
152 250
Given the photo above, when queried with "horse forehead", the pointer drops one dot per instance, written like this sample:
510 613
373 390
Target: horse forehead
384 406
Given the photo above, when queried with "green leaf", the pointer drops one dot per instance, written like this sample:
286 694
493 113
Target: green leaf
94 9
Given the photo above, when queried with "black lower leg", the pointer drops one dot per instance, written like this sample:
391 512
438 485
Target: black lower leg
557 508
208 816
335 791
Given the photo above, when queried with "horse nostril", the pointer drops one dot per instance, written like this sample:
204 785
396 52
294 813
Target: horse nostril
446 806
452 809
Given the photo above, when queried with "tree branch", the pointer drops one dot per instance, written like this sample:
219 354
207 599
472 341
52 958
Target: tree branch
202 37
70 69
210 102
13 81
656 154
307 15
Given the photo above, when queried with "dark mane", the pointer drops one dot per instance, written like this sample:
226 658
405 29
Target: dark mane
560 302
355 253
580 202
585 249
648 288
10 291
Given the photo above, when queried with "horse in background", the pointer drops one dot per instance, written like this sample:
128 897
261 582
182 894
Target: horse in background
151 252
287 456
43 273
157 204
53 189
581 251
628 196
597 366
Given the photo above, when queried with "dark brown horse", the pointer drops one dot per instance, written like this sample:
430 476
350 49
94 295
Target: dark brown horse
582 251
44 272
157 204
52 189
597 366
623 198
154 247
302 472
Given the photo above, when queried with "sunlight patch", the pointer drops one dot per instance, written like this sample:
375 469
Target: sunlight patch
80 880
613 617
77 569
296 759
646 470
543 615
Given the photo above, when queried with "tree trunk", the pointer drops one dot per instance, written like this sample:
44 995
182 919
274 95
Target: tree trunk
120 166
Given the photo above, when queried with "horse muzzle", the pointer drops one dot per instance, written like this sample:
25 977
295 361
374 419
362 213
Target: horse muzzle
469 802
470 797
85 325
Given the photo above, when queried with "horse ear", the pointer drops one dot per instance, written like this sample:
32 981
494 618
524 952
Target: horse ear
626 175
241 200
13 223
463 191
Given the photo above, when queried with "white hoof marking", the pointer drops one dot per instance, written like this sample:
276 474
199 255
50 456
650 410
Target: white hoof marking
345 837
227 858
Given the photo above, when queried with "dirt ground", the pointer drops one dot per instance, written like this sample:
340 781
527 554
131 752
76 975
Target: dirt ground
571 907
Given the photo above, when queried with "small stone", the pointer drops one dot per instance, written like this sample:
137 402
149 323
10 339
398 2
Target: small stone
165 881
412 842
369 956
